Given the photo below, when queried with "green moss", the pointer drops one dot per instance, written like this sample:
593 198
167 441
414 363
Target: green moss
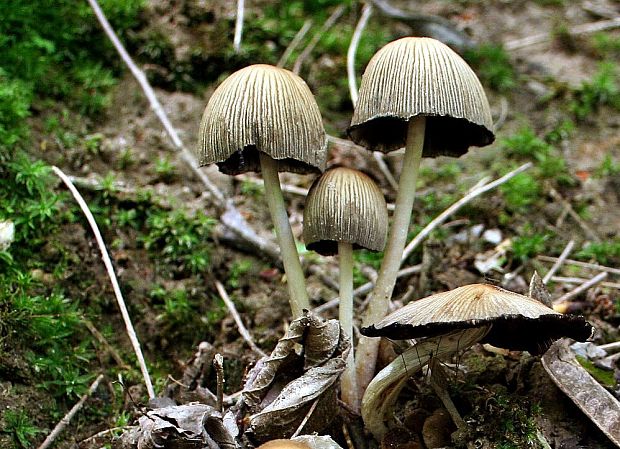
493 65
604 377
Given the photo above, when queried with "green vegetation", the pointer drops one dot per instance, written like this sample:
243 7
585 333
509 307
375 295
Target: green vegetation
604 377
605 253
603 89
529 244
493 66
20 427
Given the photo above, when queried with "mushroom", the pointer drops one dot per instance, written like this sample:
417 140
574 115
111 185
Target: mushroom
345 210
455 320
417 93
265 118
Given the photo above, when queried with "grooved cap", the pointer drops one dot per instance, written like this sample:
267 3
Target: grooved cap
345 205
421 76
517 321
263 108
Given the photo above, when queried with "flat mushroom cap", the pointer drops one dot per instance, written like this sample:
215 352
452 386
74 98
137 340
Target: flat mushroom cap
263 108
421 76
518 322
345 205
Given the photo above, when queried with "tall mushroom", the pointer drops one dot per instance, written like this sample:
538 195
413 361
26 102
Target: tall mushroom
416 93
345 210
264 118
453 321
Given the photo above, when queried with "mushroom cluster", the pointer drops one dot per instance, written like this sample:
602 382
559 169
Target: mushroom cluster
415 93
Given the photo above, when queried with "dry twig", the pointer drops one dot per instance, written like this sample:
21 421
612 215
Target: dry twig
569 208
558 263
331 20
355 40
218 363
135 343
576 30
238 26
231 218
578 263
292 46
64 422
473 193
243 331
576 280
581 288
102 340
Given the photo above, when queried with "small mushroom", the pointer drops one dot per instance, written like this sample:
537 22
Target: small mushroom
345 210
420 94
453 321
265 118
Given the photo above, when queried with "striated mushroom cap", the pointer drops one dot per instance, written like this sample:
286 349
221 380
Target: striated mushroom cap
263 108
345 205
421 76
518 322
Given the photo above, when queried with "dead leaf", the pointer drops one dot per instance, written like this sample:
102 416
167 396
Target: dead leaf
594 400
301 373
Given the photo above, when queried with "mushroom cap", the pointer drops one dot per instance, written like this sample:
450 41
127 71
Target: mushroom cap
518 322
345 205
263 108
283 444
421 76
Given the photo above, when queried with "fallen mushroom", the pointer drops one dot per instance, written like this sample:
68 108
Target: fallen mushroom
345 210
417 93
264 118
455 320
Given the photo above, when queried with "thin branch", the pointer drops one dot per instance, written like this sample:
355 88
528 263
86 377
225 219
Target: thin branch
238 26
155 104
364 289
218 363
102 340
581 288
64 422
584 226
85 442
380 160
292 46
331 20
473 193
245 334
578 263
306 418
558 263
576 30
231 218
135 343
576 280
355 40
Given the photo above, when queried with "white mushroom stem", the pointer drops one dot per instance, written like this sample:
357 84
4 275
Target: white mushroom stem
381 394
348 381
298 297
368 348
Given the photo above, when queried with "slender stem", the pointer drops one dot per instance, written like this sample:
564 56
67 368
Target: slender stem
348 381
378 305
298 296
238 26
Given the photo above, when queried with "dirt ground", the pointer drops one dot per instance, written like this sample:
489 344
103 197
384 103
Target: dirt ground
260 293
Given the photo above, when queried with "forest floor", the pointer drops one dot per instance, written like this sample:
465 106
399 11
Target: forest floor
556 103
